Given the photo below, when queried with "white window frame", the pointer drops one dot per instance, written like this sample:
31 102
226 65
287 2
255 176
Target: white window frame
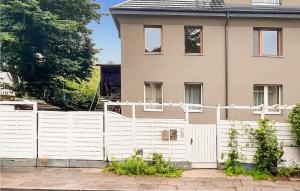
266 100
200 110
162 96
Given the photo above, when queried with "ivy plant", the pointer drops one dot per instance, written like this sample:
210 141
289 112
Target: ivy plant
294 119
232 164
269 151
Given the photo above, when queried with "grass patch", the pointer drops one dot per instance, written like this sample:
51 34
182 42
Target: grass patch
136 165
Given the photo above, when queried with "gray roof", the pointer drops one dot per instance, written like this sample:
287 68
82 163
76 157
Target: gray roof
171 4
206 8
199 6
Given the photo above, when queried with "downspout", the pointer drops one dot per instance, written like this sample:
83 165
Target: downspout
226 64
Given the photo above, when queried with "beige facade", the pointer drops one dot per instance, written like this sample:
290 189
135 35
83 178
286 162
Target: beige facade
173 67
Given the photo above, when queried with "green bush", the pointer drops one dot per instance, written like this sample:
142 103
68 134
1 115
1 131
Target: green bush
269 151
136 165
285 171
294 119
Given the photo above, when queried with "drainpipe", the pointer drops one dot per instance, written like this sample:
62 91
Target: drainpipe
226 64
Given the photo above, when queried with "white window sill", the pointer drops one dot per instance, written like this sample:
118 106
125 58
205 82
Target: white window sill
153 110
268 113
195 111
193 54
268 56
153 53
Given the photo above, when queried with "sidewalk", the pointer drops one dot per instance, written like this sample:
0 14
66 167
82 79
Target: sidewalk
93 179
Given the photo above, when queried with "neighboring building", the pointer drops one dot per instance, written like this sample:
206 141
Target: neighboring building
242 52
110 87
5 83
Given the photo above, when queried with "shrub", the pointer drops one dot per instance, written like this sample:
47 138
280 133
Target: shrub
269 151
294 119
136 165
285 171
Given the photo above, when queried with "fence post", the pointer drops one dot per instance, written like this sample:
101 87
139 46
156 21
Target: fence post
105 132
187 113
218 137
36 130
187 137
262 114
133 128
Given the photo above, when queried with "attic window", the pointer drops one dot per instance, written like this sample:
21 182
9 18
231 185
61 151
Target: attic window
153 39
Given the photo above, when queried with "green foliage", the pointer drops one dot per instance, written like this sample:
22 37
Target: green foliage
232 164
257 174
286 171
269 151
79 95
294 119
136 165
45 41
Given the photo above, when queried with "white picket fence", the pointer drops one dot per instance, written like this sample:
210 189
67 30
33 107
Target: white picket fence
70 135
100 136
246 146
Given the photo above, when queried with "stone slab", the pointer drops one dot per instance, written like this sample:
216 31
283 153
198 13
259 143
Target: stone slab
18 162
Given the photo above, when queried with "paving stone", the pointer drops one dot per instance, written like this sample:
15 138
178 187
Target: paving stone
245 188
167 187
259 188
206 187
223 184
187 187
139 186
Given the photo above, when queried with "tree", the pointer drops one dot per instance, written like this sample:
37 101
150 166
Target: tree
81 95
46 41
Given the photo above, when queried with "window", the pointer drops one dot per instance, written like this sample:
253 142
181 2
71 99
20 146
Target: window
152 39
153 94
193 39
267 42
269 95
193 95
266 2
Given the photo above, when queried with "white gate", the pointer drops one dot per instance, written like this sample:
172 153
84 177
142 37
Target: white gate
70 135
202 143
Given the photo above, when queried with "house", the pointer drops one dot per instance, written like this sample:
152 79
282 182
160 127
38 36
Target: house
110 86
5 83
210 52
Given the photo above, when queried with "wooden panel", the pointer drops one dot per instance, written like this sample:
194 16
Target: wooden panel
18 131
123 140
71 135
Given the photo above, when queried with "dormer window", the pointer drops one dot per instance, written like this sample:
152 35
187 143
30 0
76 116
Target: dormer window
265 2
